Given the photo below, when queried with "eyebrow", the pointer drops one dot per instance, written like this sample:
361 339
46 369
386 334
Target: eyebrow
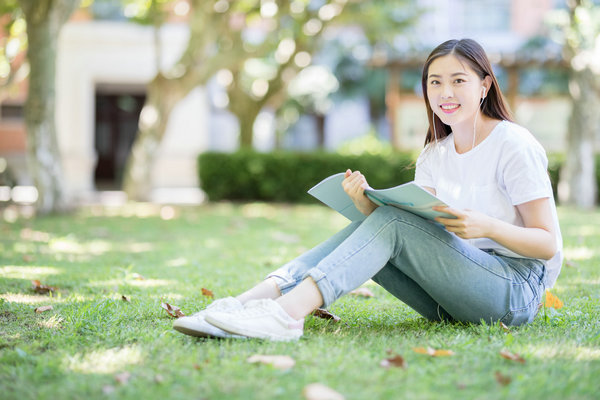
439 76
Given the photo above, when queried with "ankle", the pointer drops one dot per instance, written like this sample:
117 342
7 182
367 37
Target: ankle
267 289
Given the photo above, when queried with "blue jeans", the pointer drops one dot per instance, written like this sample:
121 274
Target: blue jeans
433 271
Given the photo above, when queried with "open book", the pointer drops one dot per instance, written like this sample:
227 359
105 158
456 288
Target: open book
409 196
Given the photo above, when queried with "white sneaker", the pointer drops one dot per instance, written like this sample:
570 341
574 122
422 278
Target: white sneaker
263 319
195 325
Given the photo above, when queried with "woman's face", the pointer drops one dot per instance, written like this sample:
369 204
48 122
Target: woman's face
454 90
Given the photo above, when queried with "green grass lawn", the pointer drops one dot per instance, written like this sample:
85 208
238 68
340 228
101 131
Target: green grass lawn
81 348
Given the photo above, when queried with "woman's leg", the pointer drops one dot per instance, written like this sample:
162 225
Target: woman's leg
285 278
404 288
280 281
466 282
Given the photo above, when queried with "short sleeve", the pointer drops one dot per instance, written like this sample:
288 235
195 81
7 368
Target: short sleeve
525 173
423 172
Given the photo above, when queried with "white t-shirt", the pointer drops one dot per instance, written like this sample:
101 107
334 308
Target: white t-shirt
506 169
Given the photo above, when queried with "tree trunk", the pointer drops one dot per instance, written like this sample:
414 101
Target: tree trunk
246 120
196 65
44 20
578 177
163 94
320 120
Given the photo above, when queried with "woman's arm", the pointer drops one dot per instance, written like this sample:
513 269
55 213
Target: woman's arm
537 239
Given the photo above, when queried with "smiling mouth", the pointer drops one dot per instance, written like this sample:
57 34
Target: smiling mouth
449 108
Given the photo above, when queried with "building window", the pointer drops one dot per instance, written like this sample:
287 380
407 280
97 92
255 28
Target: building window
111 10
12 112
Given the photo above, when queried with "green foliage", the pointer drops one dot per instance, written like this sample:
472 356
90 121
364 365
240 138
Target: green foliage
555 162
286 176
13 42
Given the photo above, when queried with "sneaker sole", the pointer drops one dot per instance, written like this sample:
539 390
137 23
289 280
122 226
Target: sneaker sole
197 333
252 334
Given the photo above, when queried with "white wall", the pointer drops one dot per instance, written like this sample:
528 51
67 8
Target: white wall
119 53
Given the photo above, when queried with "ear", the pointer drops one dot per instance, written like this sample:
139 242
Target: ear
486 84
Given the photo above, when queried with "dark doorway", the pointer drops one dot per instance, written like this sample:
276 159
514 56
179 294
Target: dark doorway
117 116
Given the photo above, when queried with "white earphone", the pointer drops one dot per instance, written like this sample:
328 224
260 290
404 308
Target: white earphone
483 95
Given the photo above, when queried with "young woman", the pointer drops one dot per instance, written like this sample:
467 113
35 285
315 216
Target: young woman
490 259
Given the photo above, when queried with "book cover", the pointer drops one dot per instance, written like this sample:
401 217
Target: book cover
408 196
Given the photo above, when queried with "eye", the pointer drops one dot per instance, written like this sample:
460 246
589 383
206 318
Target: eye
434 82
459 80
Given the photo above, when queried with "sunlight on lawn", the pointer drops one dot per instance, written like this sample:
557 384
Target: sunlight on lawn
68 245
104 361
54 322
566 352
133 282
167 296
577 282
96 247
213 243
32 299
579 253
135 210
259 210
34 236
583 230
177 262
22 272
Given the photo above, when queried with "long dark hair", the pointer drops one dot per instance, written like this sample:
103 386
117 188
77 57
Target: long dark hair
471 52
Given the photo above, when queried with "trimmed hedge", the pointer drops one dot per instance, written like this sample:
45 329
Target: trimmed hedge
555 162
286 176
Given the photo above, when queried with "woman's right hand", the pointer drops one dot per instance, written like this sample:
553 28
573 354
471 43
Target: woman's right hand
354 185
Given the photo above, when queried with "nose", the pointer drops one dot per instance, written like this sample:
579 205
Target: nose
446 91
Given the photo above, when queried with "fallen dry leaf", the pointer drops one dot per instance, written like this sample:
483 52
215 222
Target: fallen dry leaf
502 379
125 298
28 258
395 361
207 293
137 276
173 311
279 362
571 264
323 313
41 309
432 352
552 301
362 292
123 377
504 327
318 391
42 289
512 356
159 378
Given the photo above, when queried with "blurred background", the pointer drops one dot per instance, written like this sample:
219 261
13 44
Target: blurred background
116 100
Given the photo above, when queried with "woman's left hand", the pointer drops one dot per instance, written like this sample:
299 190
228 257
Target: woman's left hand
468 224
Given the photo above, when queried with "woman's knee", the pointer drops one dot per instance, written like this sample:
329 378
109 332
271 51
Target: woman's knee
384 212
383 215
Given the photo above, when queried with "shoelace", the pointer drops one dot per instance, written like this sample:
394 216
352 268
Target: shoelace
257 307
214 306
